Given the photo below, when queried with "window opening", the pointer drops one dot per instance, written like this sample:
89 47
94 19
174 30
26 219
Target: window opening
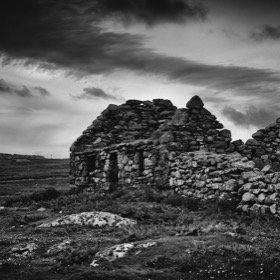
91 163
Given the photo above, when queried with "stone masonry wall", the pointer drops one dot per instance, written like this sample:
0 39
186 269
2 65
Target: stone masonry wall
138 163
188 129
264 148
206 175
128 122
260 192
194 128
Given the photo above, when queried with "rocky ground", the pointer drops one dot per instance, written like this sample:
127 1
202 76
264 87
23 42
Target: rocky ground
54 231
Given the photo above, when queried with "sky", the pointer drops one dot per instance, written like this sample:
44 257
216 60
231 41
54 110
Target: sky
62 62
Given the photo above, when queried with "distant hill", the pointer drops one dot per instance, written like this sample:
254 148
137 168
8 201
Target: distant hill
20 157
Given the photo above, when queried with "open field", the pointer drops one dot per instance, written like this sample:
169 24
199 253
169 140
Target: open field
33 169
190 239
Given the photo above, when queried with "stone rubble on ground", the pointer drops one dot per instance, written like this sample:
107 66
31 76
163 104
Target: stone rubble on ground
23 250
57 248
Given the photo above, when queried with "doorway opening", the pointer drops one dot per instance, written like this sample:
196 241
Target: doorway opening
113 171
140 163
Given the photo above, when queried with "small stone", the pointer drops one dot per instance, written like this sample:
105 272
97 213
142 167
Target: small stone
225 133
273 209
180 182
166 137
180 117
247 187
252 142
248 175
243 165
245 208
248 197
147 162
261 197
258 134
231 186
177 174
112 107
273 198
266 169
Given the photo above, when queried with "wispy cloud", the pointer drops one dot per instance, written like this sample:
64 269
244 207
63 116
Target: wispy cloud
22 91
253 116
95 93
19 109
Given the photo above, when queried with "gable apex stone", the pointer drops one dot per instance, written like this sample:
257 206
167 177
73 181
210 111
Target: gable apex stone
195 103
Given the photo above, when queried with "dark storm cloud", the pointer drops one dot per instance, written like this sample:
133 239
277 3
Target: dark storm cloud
152 11
57 34
254 116
95 93
66 35
266 32
255 7
23 91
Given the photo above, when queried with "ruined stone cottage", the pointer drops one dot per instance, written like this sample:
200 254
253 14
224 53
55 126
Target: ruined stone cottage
154 144
130 144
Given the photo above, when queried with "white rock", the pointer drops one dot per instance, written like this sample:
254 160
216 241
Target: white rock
118 251
249 165
93 218
248 197
273 209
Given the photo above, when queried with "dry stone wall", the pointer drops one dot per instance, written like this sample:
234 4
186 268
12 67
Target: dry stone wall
128 122
260 192
206 175
264 147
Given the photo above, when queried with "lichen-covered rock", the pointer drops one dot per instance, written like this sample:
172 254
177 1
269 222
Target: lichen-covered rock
119 251
98 219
